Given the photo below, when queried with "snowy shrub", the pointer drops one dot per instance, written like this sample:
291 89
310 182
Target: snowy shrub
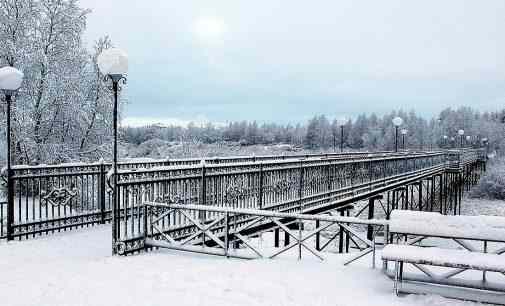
492 183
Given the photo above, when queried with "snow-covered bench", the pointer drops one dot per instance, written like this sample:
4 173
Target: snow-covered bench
464 230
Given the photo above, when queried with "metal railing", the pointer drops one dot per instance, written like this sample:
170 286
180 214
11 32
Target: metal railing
49 199
231 232
54 198
282 186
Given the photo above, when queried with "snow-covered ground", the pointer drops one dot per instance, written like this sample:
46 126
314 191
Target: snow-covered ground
76 268
473 207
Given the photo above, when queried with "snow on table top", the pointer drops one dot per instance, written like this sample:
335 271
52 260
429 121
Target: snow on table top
444 257
434 224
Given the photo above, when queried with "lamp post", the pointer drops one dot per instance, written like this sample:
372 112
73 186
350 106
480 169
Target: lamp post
397 121
113 63
10 81
461 133
341 123
444 142
486 143
404 134
439 134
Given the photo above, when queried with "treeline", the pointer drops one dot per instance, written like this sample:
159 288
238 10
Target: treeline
365 132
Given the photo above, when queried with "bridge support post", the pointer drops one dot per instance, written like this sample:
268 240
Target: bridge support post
341 236
318 237
432 192
420 196
405 199
441 192
388 207
371 210
347 237
459 192
276 237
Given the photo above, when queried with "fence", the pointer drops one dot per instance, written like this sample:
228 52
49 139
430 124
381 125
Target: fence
49 199
233 227
283 186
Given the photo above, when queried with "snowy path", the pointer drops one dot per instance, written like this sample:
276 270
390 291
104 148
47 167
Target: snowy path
76 268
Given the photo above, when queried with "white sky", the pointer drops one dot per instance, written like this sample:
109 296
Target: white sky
287 60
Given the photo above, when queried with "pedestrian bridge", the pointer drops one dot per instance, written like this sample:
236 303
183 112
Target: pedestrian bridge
223 201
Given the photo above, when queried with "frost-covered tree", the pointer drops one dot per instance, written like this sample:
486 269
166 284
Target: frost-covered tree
63 110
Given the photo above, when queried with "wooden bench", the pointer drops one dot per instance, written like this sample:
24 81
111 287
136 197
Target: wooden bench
412 227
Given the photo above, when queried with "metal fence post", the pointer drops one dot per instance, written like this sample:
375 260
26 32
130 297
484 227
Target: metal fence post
226 233
341 236
260 190
203 189
145 222
299 239
386 241
371 210
300 188
10 205
202 198
101 196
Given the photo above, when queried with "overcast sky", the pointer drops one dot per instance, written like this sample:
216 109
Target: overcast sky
286 60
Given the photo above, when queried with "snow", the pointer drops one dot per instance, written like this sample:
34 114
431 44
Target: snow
474 207
434 224
444 257
76 268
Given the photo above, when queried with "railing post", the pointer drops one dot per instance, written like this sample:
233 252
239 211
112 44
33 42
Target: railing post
386 241
203 191
226 233
420 196
347 236
371 210
145 222
318 234
370 174
101 196
286 238
300 239
341 236
10 205
300 188
260 190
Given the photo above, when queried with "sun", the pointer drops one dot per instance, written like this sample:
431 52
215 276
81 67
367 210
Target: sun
209 29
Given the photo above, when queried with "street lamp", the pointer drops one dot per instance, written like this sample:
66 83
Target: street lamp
486 143
461 133
113 63
341 122
10 82
404 133
397 121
